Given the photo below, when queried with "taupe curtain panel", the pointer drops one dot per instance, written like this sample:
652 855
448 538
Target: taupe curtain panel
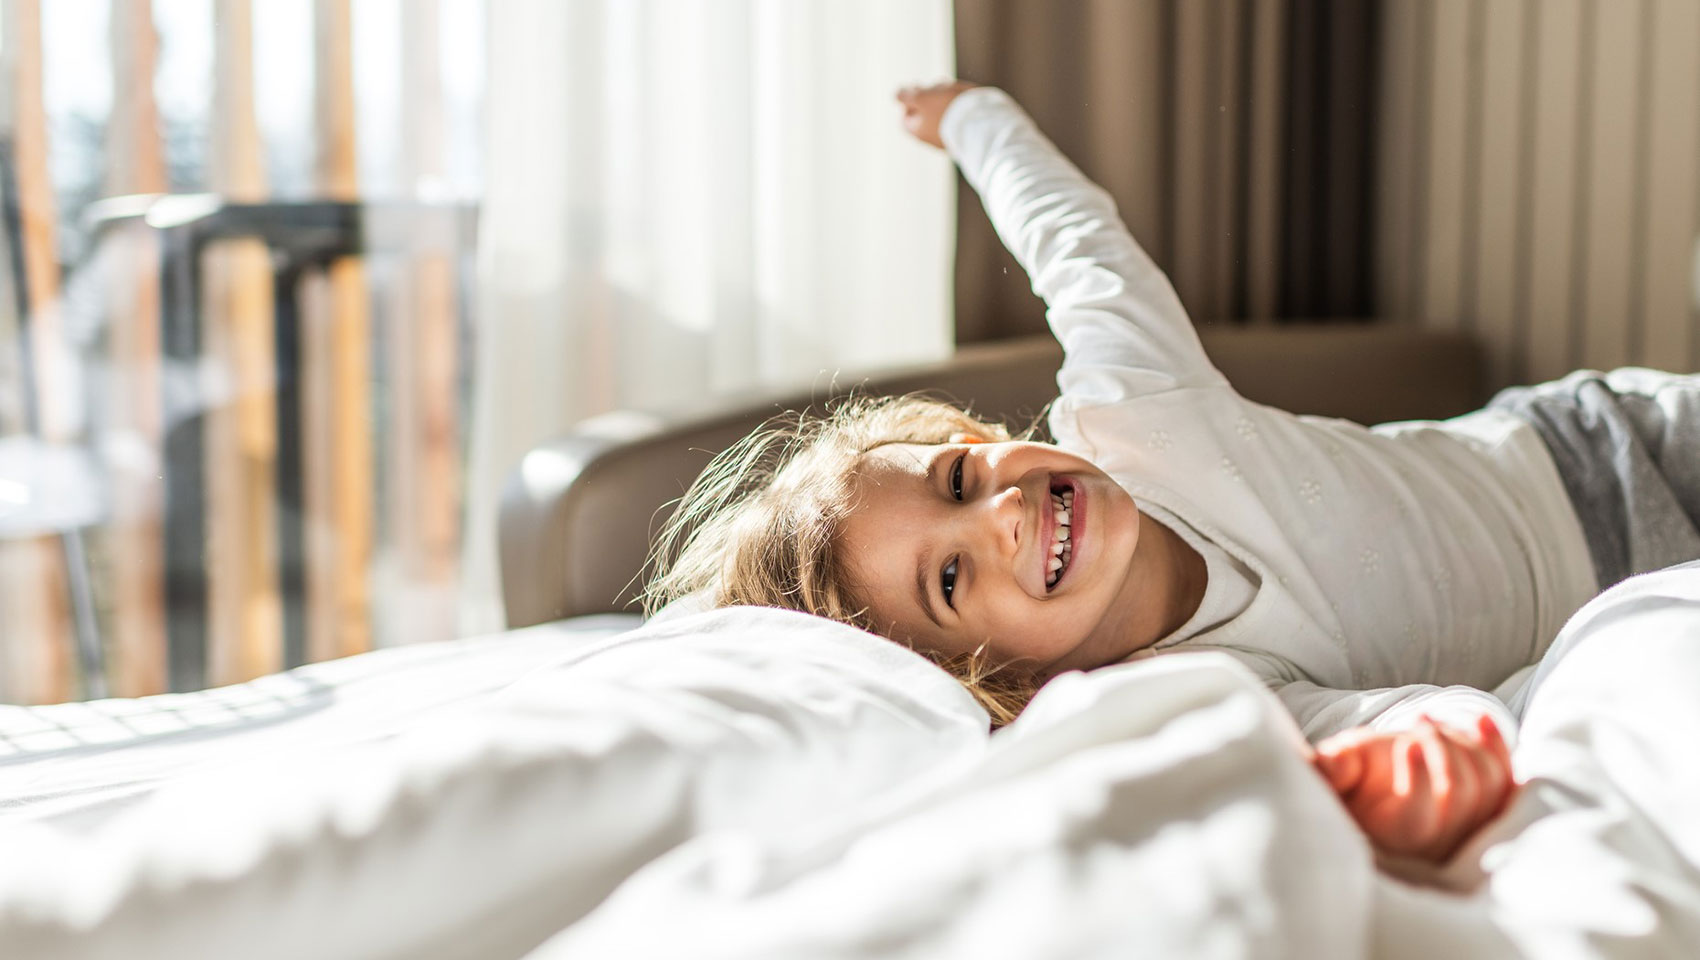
1235 136
1538 170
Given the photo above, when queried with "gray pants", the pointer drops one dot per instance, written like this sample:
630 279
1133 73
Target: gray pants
1627 445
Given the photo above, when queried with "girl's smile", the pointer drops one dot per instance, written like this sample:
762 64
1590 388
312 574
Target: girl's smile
1066 505
1019 549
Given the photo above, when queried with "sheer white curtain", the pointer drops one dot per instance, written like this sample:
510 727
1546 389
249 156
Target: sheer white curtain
684 198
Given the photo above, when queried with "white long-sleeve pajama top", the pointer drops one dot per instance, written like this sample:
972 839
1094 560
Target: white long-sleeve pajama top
1387 571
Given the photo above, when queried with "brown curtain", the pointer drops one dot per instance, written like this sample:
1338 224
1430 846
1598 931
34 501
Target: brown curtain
1539 180
1234 135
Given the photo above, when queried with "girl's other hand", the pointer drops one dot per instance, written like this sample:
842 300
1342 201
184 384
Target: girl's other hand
1420 792
923 108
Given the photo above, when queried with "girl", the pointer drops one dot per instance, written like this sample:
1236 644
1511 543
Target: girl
1372 576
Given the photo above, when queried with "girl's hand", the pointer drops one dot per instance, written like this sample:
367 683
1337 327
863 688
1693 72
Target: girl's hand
1420 792
923 108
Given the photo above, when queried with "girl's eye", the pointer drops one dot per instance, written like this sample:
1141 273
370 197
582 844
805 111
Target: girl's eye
956 477
947 582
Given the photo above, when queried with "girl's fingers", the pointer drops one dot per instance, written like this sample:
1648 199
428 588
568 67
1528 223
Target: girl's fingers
1472 788
1436 758
1491 738
1348 740
1474 770
1421 813
1343 769
1505 777
1370 763
1481 786
1408 773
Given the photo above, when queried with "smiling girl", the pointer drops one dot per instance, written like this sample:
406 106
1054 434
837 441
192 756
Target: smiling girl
1370 575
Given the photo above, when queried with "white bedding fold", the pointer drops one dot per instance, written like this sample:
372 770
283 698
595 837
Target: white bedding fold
76 765
1159 809
484 829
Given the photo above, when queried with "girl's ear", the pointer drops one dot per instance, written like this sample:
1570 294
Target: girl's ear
966 438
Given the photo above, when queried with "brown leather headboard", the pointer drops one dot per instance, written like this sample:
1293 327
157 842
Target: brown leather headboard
578 512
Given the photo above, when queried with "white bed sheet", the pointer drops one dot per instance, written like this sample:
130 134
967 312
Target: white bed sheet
756 783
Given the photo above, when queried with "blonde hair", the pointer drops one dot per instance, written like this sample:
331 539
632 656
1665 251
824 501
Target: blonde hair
761 524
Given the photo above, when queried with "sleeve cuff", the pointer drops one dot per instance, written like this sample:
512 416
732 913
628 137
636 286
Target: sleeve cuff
964 107
1456 706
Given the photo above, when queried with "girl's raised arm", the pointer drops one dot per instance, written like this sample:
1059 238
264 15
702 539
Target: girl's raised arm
1123 330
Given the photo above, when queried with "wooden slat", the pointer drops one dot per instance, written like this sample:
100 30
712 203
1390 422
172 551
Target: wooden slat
319 537
1448 102
1495 301
1554 193
1670 340
238 167
36 614
1610 191
245 625
335 168
245 619
129 268
135 158
424 431
351 436
428 536
348 379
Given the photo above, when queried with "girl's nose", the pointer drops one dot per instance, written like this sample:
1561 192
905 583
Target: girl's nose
1008 510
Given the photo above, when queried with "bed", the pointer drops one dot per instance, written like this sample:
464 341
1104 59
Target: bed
758 783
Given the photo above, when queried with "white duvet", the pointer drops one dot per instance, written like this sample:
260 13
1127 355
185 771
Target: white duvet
1152 810
762 784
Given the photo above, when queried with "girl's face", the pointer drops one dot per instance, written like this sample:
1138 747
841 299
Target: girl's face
954 547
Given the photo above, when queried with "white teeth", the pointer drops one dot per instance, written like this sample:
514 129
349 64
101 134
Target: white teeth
1062 547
